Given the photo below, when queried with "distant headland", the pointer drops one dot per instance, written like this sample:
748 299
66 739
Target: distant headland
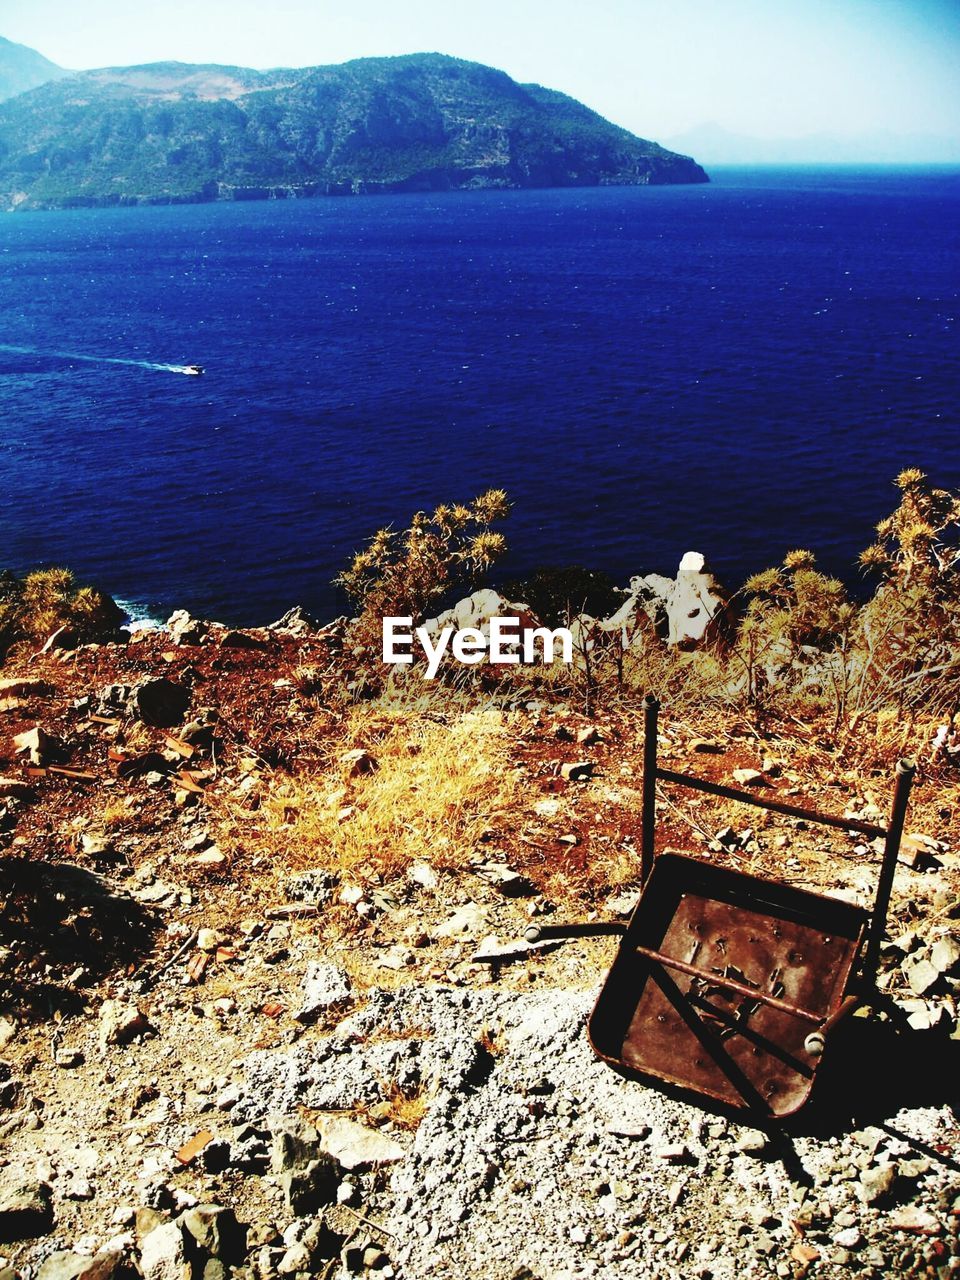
175 133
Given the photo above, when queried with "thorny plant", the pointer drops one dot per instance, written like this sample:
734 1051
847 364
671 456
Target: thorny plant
406 572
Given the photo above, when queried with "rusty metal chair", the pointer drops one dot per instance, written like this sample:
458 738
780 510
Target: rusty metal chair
728 985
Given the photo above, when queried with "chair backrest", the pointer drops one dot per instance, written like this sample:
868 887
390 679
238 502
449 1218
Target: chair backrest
891 834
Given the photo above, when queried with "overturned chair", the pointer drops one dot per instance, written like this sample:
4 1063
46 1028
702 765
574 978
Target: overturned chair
728 985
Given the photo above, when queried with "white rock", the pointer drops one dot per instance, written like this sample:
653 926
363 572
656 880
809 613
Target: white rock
752 1142
685 610
467 922
692 562
354 1146
748 777
908 941
324 987
296 1258
913 1218
623 904
36 743
186 630
921 976
120 1022
926 1016
576 770
945 954
423 874
475 612
17 687
849 1238
119 1244
356 762
15 789
78 1188
161 1254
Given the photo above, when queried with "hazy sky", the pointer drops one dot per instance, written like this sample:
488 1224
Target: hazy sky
765 67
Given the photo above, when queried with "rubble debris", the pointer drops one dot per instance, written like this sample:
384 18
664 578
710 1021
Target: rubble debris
325 986
13 788
159 701
186 630
25 1212
354 1146
190 1150
120 1023
749 778
162 1253
487 1129
576 770
41 747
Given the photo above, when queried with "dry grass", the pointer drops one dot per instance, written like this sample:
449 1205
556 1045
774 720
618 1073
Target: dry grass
116 813
489 1043
452 770
403 1106
440 782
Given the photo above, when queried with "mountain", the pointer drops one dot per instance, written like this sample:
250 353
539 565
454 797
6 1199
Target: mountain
174 132
22 69
716 145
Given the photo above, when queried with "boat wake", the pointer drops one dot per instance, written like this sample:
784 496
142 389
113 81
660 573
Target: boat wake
190 369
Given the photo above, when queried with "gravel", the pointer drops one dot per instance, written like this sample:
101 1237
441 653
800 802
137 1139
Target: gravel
534 1159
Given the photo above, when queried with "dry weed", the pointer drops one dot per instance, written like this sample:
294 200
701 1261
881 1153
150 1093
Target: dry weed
438 782
403 1106
116 813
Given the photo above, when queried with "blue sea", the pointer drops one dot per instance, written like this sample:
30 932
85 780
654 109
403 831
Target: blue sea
738 369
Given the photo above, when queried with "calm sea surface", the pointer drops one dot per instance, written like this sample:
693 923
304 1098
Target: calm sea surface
738 369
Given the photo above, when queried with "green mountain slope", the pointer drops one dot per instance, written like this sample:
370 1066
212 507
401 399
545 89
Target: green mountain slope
171 132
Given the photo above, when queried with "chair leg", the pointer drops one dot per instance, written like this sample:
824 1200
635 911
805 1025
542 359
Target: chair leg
651 709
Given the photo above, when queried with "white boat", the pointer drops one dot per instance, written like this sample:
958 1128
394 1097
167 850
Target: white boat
193 369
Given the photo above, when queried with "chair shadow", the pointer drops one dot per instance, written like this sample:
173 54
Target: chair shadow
872 1069
56 918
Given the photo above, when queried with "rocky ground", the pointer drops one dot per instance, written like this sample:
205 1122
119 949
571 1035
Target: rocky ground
217 1063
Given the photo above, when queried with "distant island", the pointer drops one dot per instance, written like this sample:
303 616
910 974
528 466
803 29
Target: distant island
172 132
717 145
22 69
